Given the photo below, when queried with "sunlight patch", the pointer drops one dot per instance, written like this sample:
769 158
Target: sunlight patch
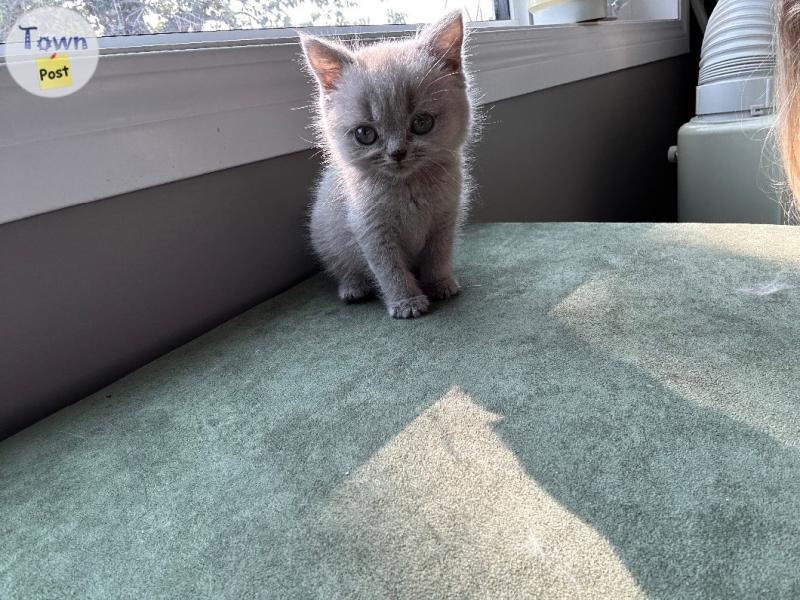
766 242
699 352
445 505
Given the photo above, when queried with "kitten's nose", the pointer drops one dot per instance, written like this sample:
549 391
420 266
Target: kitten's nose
398 155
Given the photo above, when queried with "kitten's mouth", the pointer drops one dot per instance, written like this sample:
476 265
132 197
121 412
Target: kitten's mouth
399 169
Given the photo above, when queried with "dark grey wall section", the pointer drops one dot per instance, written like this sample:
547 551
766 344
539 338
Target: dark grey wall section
595 150
92 292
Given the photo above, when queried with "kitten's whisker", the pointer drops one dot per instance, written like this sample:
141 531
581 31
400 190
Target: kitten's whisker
436 63
446 172
439 79
457 154
430 83
424 77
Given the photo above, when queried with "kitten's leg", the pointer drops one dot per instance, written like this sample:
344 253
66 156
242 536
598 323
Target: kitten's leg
351 271
436 272
335 245
355 287
401 292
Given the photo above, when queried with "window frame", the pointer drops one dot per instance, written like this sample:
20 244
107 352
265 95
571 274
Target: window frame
175 95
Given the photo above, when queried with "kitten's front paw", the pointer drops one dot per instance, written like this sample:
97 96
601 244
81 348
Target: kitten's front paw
351 293
442 289
409 308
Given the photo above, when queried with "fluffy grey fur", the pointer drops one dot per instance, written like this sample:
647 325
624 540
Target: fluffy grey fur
386 213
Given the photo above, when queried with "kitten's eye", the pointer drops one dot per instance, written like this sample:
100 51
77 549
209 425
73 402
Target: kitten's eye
422 123
366 135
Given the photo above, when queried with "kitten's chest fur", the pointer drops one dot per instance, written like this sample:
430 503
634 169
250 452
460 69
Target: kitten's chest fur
413 217
411 209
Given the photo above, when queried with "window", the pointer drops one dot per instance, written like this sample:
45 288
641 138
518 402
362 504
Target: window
187 87
137 17
146 17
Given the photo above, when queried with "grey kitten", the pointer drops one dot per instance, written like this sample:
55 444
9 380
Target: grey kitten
394 119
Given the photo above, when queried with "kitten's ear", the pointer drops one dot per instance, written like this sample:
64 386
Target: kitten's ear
327 60
445 40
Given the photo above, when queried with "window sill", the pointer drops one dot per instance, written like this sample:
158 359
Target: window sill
157 114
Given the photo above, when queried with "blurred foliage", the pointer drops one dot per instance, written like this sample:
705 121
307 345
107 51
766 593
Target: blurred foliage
133 17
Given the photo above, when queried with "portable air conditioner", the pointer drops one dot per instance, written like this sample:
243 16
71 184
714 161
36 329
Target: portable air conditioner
727 160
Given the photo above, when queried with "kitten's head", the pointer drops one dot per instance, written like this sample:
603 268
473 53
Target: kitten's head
394 107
